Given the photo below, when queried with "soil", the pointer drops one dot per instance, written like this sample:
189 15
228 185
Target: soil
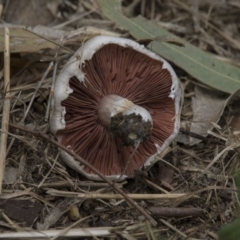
130 128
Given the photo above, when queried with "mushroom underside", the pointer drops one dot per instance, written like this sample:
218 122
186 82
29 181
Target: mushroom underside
127 73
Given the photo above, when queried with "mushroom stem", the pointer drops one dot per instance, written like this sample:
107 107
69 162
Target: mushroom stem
130 122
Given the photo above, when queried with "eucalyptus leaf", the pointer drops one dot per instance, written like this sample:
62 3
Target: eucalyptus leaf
199 64
230 231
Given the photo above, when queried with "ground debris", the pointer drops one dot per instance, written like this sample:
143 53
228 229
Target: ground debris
201 174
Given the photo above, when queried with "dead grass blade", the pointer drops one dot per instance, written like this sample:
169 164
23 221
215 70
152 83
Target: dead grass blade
169 196
6 107
77 232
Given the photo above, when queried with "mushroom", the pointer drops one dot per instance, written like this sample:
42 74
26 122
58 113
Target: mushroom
116 104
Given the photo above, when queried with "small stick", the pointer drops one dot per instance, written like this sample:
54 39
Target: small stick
47 234
229 148
176 212
87 164
136 145
114 196
36 90
173 228
200 137
155 186
46 176
67 229
6 107
80 184
51 92
10 222
49 40
60 26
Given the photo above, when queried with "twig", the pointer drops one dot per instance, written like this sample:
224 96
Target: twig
67 229
136 145
114 196
173 228
36 90
200 137
79 232
204 18
80 184
195 15
176 212
151 232
87 164
229 148
32 194
47 39
27 192
155 186
6 107
10 222
77 18
51 91
46 176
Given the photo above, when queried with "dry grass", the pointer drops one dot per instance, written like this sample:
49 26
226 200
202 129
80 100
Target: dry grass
199 177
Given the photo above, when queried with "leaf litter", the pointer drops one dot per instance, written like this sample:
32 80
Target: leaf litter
201 175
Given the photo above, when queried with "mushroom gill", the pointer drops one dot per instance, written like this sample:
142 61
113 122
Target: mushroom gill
127 73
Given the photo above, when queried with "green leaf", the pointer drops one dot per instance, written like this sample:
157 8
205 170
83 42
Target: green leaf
230 231
237 181
199 64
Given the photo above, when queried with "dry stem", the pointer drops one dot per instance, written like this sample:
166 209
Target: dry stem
6 107
114 196
80 232
36 90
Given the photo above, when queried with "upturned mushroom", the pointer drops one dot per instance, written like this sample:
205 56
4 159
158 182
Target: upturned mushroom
116 104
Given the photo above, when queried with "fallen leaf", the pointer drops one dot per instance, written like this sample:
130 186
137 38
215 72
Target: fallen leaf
22 40
203 103
207 106
199 64
11 174
230 232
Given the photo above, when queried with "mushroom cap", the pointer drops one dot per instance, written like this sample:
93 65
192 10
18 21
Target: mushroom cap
110 65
